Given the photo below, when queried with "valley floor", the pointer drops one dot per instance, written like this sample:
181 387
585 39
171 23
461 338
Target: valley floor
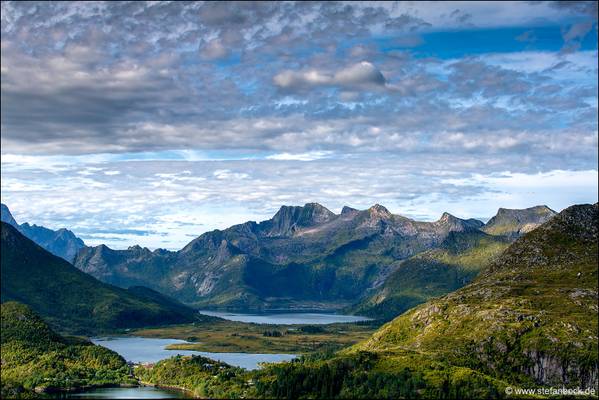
239 337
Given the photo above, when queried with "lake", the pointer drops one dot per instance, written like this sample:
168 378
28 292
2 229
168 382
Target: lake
287 318
142 392
152 350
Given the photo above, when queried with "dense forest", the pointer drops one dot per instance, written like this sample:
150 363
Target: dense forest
37 361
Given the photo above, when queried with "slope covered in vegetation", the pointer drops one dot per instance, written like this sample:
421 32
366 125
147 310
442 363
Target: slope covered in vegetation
72 301
36 360
433 273
530 319
203 377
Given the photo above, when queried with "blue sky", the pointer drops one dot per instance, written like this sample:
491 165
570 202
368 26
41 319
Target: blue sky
150 123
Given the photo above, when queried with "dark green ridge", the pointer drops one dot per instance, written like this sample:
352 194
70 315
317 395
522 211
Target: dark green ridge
73 301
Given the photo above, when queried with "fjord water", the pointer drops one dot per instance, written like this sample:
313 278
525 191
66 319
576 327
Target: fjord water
151 350
287 318
141 392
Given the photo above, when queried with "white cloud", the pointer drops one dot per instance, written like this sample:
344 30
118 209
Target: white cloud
363 75
309 156
226 174
214 50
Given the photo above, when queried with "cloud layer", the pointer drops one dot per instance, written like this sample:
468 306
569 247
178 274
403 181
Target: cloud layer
167 203
324 93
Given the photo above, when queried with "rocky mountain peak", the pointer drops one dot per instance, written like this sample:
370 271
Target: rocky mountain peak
62 242
348 210
291 218
138 249
447 217
515 212
515 222
66 234
378 210
318 213
6 216
101 248
453 223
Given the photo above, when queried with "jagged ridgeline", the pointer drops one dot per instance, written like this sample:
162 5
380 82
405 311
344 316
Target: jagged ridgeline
72 301
62 243
35 359
529 320
311 258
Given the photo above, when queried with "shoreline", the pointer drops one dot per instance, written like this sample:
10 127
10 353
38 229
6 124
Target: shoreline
139 384
172 387
79 389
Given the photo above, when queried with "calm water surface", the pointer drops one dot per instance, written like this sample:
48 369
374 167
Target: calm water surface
287 318
142 392
151 350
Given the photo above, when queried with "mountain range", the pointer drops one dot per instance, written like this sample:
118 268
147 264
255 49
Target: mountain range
62 243
309 258
528 320
370 262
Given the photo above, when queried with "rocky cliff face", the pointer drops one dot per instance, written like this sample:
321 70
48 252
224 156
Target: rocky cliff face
62 243
288 220
454 224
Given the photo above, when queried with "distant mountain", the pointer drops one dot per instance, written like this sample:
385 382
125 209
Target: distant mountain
36 359
514 223
303 258
529 319
62 243
73 301
6 216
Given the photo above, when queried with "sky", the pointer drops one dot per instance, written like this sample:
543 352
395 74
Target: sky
152 122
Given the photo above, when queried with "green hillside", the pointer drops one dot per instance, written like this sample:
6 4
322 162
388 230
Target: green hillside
72 301
37 360
203 377
530 319
458 260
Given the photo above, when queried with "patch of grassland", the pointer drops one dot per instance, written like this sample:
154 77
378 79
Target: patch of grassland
239 337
